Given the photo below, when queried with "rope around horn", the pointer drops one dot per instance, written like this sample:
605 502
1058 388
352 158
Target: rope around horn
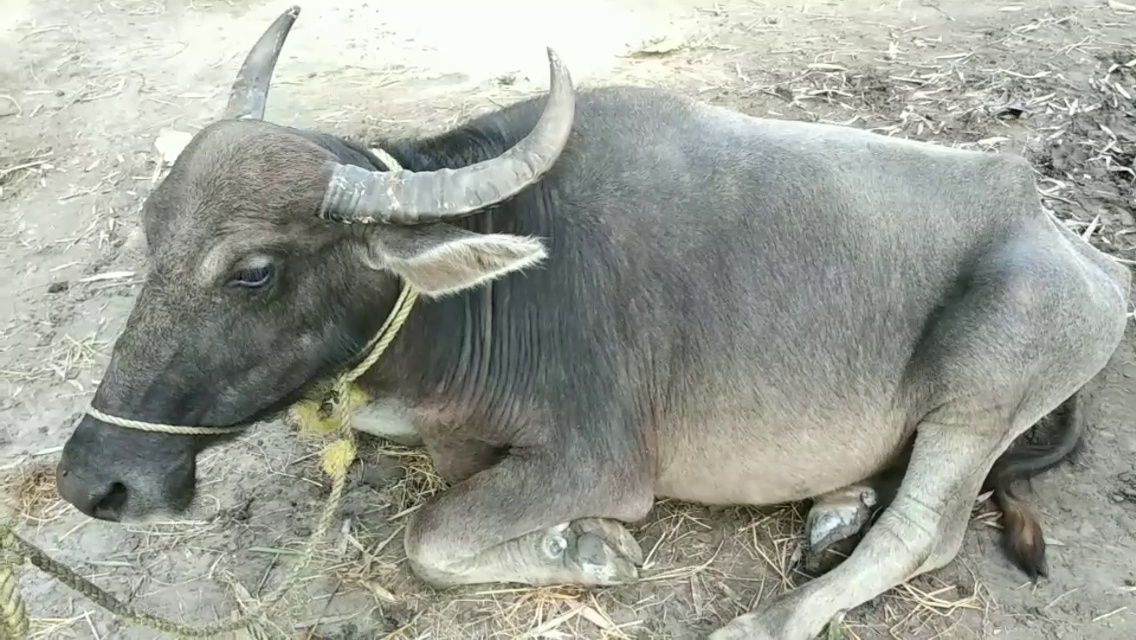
330 413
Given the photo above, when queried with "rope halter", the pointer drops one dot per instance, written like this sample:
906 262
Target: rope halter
303 412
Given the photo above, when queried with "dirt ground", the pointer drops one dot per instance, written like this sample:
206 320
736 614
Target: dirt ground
86 87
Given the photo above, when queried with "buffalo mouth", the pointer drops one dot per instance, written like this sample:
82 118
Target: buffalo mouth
123 475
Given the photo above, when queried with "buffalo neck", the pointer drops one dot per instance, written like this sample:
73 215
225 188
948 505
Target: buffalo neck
461 356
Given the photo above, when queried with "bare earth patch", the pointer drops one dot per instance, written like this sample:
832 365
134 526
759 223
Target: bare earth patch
89 86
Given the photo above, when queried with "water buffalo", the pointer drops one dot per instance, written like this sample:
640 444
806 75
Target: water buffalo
625 294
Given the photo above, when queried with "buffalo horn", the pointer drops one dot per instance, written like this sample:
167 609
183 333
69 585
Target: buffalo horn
405 197
250 90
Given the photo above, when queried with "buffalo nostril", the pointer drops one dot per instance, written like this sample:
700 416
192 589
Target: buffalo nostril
110 505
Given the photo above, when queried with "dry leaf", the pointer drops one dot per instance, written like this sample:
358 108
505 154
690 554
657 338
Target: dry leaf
596 618
548 629
381 592
661 45
108 275
994 140
824 66
1121 6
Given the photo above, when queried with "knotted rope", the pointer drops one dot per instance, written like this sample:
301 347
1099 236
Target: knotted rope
324 413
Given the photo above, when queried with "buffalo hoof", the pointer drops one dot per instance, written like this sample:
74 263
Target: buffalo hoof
757 626
614 535
834 526
743 628
600 551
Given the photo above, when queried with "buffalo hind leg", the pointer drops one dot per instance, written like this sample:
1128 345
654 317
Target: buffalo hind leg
1030 329
527 520
838 520
920 531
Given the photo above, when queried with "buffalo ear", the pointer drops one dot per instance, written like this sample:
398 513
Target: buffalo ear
438 259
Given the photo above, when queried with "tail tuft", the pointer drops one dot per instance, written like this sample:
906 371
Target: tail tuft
1023 540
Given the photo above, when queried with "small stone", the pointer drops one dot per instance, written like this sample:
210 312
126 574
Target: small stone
58 287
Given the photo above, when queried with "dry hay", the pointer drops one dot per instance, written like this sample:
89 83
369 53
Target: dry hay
28 490
701 564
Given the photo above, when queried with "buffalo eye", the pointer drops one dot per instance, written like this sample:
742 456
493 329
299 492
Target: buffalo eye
254 277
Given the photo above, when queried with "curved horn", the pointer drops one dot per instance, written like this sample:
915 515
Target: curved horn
250 90
355 194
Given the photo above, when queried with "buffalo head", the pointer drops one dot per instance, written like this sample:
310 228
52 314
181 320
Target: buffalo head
256 287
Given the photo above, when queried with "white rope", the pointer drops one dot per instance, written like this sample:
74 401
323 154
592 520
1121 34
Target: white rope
158 427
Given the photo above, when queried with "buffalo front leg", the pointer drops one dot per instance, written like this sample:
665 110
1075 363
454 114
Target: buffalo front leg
533 520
